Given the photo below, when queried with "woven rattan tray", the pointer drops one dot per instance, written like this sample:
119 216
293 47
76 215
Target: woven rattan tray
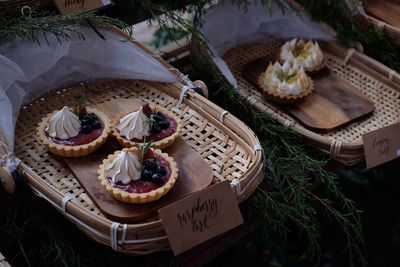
372 78
225 143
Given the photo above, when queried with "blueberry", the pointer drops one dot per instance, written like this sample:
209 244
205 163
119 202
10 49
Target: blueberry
157 118
161 170
86 128
85 117
164 124
160 114
155 128
96 124
88 117
85 121
92 116
147 175
150 164
157 178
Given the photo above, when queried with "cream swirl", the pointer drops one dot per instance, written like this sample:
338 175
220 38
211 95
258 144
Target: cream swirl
64 124
134 125
286 79
307 55
124 168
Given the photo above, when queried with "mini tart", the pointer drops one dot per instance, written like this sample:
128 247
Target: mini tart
139 197
71 151
160 144
280 99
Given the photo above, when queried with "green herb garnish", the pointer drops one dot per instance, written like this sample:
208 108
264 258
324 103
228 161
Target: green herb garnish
143 149
283 77
81 100
297 50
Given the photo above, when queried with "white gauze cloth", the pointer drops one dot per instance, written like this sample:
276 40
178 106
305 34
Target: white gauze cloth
226 26
28 70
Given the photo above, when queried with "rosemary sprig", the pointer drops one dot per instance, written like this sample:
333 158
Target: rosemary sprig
143 149
81 100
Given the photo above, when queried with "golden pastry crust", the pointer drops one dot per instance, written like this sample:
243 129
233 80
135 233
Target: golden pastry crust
139 197
161 144
74 151
277 98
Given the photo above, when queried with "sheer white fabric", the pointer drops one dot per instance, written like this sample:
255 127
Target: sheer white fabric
226 26
28 70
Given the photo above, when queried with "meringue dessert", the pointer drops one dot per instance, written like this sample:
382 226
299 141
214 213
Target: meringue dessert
285 83
138 175
66 134
147 124
308 55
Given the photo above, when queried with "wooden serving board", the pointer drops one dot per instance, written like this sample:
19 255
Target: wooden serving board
194 174
385 10
333 104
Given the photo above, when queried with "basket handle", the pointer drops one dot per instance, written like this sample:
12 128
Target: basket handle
201 88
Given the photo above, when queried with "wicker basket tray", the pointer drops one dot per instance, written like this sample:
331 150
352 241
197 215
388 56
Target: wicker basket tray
371 77
225 143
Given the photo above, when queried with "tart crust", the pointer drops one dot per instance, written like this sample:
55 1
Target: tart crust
160 144
280 99
139 197
74 151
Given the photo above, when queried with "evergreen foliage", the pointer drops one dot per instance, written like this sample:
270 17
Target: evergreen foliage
33 23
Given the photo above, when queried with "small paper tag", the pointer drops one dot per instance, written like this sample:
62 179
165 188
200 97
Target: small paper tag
71 6
382 145
201 216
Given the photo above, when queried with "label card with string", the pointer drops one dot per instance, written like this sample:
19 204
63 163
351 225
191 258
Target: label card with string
200 217
72 6
382 145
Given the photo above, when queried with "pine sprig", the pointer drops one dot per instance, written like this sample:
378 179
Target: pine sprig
30 26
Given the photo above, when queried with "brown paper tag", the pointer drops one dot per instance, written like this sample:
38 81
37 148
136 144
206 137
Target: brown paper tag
382 145
201 216
71 6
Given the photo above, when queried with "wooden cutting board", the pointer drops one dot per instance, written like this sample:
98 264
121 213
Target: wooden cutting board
333 104
385 10
194 174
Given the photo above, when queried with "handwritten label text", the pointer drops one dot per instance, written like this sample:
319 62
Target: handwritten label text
68 3
200 217
381 145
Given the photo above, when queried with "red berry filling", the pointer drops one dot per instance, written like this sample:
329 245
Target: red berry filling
144 186
80 139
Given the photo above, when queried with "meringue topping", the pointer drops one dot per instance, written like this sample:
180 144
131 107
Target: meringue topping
124 168
286 79
307 55
134 125
64 124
